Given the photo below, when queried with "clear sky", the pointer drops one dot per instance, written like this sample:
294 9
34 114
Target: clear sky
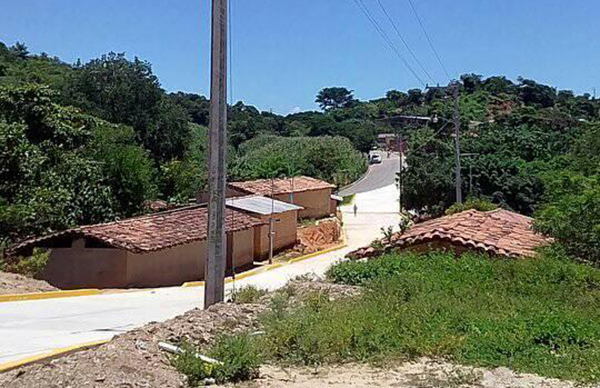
284 51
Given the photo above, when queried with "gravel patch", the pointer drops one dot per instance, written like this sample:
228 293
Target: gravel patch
11 283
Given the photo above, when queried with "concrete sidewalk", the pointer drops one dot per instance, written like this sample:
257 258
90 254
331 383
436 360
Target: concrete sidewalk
28 328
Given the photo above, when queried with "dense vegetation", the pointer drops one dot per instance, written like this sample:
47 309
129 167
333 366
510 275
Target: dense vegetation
91 142
86 143
537 316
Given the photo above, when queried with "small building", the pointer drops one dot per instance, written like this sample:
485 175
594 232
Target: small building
391 141
161 249
285 222
498 232
313 195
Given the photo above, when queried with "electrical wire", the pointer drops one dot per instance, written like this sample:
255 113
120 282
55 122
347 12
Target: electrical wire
429 39
404 40
382 33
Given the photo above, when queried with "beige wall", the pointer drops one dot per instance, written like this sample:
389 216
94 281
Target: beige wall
243 248
80 267
316 203
167 267
285 226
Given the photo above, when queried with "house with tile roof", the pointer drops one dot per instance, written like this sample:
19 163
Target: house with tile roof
498 232
313 195
161 249
282 215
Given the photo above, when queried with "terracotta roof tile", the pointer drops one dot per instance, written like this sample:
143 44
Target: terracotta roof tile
500 231
153 232
281 186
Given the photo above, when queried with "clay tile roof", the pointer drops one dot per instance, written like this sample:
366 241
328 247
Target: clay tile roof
152 232
281 186
500 231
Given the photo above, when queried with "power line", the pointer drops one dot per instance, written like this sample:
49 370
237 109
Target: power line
382 33
404 40
429 39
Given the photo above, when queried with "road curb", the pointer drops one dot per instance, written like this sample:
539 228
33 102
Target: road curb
59 352
273 266
48 295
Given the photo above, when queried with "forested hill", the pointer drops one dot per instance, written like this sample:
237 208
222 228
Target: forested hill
91 142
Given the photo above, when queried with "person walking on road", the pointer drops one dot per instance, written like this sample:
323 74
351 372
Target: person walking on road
355 209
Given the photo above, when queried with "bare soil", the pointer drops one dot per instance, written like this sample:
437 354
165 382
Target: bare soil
423 373
11 283
133 360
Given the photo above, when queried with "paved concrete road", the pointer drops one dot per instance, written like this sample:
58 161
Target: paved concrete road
32 327
378 176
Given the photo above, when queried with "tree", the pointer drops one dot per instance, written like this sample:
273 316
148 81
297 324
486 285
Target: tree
471 82
60 168
127 92
335 98
20 50
531 92
415 96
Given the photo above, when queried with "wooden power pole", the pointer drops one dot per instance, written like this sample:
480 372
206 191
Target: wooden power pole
456 121
214 289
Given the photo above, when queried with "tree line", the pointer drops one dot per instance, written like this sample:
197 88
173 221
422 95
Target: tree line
92 142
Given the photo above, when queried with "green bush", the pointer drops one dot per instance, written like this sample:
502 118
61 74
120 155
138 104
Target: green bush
332 159
482 205
31 266
538 316
239 355
571 214
247 294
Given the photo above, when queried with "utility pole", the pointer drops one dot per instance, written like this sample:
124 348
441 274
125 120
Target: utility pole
271 229
456 121
400 170
214 289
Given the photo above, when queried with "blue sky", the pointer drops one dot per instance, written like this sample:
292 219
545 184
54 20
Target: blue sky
284 51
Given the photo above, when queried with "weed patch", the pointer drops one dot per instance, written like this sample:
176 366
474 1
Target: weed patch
247 294
238 354
539 316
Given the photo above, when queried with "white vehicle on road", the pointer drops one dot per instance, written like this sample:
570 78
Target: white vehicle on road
375 159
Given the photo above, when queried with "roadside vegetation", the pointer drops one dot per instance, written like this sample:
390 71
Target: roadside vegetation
247 294
31 266
538 316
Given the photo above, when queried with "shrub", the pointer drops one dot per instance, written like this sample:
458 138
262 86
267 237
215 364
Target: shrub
31 266
239 355
482 205
247 294
571 214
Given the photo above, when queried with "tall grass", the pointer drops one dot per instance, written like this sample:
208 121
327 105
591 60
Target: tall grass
540 316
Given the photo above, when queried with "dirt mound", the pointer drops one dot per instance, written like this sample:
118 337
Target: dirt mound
134 359
11 283
305 285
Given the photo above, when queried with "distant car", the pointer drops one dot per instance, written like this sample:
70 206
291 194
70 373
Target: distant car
375 159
